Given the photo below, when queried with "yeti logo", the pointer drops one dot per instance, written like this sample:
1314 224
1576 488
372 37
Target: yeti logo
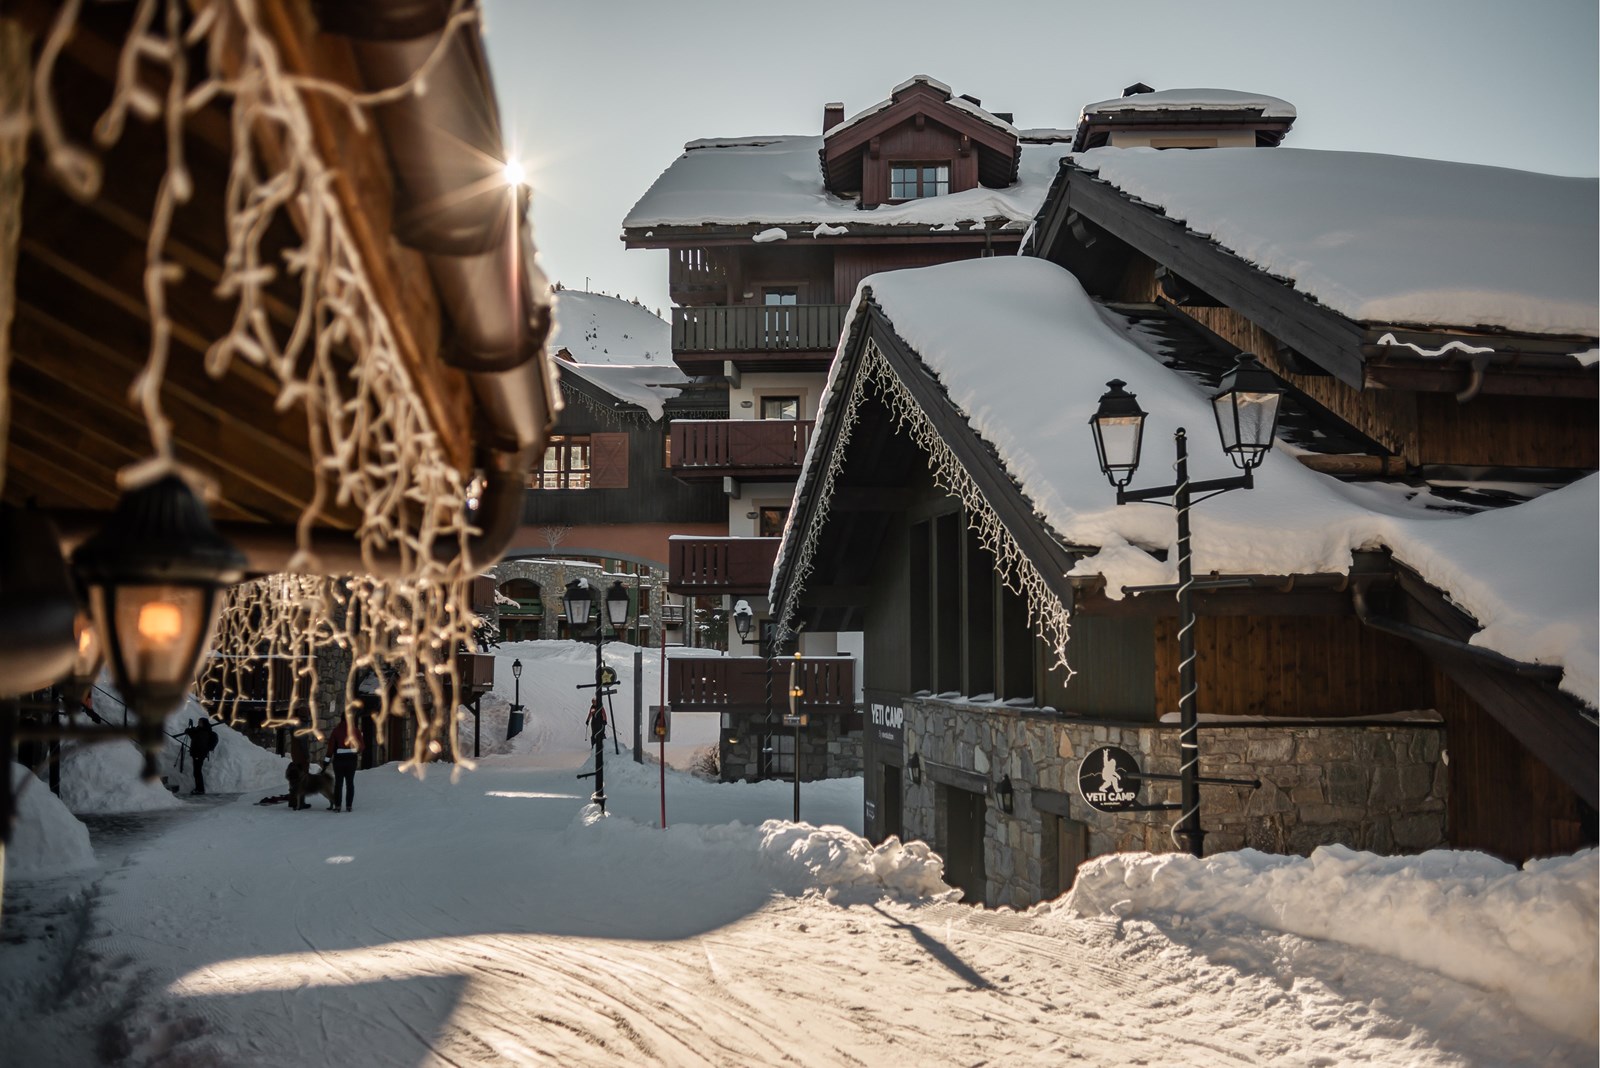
1108 779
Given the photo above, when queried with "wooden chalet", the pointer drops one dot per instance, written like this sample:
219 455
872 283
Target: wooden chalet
769 238
398 197
953 511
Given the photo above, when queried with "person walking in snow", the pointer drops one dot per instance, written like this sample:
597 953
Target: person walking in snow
345 745
202 739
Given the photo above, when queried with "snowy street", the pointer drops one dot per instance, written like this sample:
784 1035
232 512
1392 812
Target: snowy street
491 922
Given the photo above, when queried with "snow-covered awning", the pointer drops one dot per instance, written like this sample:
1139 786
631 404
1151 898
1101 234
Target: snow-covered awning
1022 352
1388 239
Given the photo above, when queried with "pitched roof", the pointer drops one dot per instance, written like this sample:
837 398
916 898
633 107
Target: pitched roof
1180 100
776 181
1387 239
1021 353
618 346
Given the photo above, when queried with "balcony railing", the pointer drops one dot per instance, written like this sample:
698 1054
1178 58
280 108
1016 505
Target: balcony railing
745 448
726 683
758 328
700 566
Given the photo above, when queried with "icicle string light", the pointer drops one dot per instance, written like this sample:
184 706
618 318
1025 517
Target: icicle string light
334 356
1046 613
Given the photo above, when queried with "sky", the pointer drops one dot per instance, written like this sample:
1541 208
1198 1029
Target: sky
599 98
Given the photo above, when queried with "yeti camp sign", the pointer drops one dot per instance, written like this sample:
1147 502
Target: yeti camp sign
1108 779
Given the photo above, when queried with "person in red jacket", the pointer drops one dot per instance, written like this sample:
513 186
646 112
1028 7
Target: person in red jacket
345 746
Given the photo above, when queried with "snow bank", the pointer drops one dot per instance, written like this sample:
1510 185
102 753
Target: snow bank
237 765
847 868
46 839
1530 934
796 859
100 778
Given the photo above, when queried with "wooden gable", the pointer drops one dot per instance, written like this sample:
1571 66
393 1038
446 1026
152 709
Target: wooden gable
919 125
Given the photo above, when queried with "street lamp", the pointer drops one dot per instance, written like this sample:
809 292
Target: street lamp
579 596
1246 408
152 575
514 723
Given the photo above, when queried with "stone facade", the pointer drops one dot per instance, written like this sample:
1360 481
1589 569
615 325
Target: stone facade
1379 786
553 576
827 751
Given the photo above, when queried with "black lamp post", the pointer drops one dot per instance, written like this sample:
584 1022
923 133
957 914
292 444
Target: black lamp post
514 722
1246 408
578 598
152 575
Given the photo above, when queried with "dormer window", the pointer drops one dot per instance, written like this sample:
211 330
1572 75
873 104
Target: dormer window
913 181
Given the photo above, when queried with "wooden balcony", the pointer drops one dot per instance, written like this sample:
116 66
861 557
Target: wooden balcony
739 683
756 336
756 450
703 566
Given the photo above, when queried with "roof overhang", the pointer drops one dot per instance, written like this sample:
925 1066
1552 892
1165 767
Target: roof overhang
998 150
1093 229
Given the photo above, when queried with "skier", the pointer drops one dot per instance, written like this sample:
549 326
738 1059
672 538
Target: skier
202 739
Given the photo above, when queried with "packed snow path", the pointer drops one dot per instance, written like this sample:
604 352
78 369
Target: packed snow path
486 922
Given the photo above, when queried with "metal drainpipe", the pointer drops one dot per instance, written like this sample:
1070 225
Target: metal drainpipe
1540 672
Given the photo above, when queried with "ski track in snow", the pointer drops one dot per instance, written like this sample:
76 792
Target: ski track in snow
480 924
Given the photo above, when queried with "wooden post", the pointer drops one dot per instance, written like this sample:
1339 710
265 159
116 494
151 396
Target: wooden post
16 72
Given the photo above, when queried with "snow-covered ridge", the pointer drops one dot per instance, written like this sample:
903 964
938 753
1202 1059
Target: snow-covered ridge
1530 934
1388 239
1271 107
1023 353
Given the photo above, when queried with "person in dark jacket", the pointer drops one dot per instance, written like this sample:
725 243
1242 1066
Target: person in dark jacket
345 746
202 739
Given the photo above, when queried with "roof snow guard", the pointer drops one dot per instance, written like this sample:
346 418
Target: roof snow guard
1185 110
920 99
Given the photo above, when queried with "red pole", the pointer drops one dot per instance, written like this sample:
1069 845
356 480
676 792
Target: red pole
662 740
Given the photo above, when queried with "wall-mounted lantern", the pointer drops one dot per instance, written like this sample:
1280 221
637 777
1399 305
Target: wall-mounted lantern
914 769
152 574
1006 795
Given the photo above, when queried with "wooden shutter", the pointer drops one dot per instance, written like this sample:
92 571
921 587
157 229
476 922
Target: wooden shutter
608 461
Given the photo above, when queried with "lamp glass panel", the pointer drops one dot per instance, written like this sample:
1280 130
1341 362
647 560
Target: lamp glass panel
1246 422
577 601
161 630
1119 441
617 606
86 660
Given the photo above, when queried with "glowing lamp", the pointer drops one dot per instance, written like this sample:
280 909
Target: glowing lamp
152 574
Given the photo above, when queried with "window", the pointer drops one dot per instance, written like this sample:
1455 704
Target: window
780 407
912 181
778 319
780 296
770 523
566 464
779 752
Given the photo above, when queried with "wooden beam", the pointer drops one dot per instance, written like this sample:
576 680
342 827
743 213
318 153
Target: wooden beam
1329 339
16 70
1580 382
360 181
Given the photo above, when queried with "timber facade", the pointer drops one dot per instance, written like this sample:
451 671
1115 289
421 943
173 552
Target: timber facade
1354 697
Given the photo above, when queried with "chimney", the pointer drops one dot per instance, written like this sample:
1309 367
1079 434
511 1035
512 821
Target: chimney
832 115
974 101
1137 89
1005 116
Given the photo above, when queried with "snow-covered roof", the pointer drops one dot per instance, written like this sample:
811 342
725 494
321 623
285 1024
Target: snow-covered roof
618 346
777 181
1022 351
1388 239
1192 100
954 101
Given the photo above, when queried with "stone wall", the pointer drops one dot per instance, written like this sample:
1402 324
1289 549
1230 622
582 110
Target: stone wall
1378 787
553 576
827 751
